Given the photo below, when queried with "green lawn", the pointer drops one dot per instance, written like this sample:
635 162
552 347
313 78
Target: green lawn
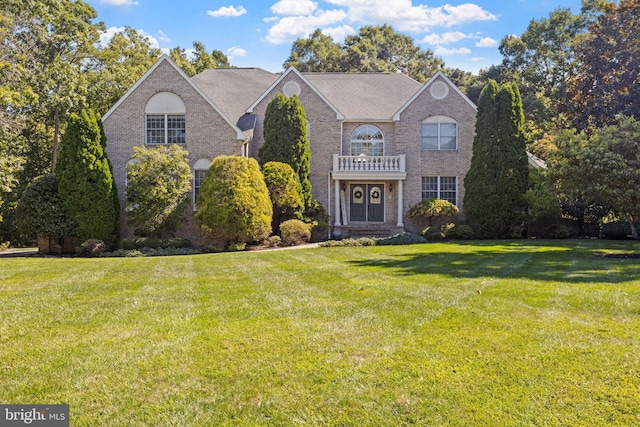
524 333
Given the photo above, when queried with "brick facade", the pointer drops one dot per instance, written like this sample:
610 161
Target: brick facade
210 134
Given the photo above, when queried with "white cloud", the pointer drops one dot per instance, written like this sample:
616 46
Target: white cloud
290 28
120 2
404 16
477 59
235 52
466 13
230 11
294 7
338 34
445 38
487 42
163 37
455 51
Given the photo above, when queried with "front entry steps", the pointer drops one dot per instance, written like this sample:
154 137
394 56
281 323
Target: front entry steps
366 230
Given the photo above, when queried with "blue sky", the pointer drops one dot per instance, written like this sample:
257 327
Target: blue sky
259 33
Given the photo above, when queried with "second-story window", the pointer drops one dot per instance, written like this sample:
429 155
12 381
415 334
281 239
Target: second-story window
165 119
367 140
439 133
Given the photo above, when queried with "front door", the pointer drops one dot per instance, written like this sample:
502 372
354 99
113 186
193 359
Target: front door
367 202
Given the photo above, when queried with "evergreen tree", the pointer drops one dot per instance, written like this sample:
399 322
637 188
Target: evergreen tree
285 139
498 176
284 191
85 182
233 203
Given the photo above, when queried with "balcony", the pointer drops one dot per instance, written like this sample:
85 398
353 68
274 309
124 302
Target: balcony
369 167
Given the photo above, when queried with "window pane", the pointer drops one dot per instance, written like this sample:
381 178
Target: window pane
429 136
367 140
448 188
176 129
429 187
448 136
356 148
155 129
198 178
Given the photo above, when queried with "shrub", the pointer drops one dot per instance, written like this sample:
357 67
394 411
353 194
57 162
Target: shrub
143 252
284 191
458 232
92 248
237 246
558 231
148 242
39 211
401 239
433 208
295 232
432 233
617 230
158 188
316 215
234 204
273 241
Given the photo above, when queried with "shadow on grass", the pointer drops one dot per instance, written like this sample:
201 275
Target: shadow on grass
563 261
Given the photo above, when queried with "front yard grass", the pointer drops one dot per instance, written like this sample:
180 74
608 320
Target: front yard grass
527 333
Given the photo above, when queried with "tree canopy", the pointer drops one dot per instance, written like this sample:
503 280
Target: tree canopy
375 48
607 84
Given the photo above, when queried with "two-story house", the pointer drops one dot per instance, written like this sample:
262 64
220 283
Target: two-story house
380 142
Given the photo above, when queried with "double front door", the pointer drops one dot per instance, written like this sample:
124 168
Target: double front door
367 202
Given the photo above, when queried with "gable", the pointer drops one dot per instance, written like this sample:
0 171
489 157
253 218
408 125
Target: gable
165 61
439 87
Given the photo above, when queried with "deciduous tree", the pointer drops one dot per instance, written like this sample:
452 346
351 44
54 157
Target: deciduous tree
158 188
609 58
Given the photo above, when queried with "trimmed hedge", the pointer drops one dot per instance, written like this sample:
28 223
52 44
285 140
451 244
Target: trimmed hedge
149 242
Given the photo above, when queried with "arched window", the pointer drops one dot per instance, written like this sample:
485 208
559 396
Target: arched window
200 170
367 140
439 133
165 119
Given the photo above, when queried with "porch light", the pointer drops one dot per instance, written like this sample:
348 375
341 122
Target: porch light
391 187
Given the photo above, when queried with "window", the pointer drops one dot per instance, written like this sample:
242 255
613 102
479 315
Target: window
200 170
367 140
166 129
439 133
440 187
165 119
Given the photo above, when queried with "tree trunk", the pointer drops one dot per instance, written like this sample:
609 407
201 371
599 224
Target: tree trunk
634 231
56 132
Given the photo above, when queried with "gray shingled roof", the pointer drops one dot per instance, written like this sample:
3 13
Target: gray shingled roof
365 95
234 89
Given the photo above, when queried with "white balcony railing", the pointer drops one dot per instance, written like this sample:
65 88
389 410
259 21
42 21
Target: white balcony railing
364 163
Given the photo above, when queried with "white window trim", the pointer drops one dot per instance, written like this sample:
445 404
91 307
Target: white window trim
200 165
440 190
352 138
439 120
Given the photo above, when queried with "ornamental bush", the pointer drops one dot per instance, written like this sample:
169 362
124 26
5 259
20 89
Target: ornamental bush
284 190
433 208
39 212
295 232
233 203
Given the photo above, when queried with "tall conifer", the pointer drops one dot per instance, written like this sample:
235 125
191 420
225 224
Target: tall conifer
286 141
497 179
85 182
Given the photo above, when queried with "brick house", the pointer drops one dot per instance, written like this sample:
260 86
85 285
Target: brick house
380 142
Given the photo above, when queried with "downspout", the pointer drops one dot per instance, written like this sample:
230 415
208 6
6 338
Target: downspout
329 203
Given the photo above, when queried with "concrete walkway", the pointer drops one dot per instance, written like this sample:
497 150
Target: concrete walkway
16 252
